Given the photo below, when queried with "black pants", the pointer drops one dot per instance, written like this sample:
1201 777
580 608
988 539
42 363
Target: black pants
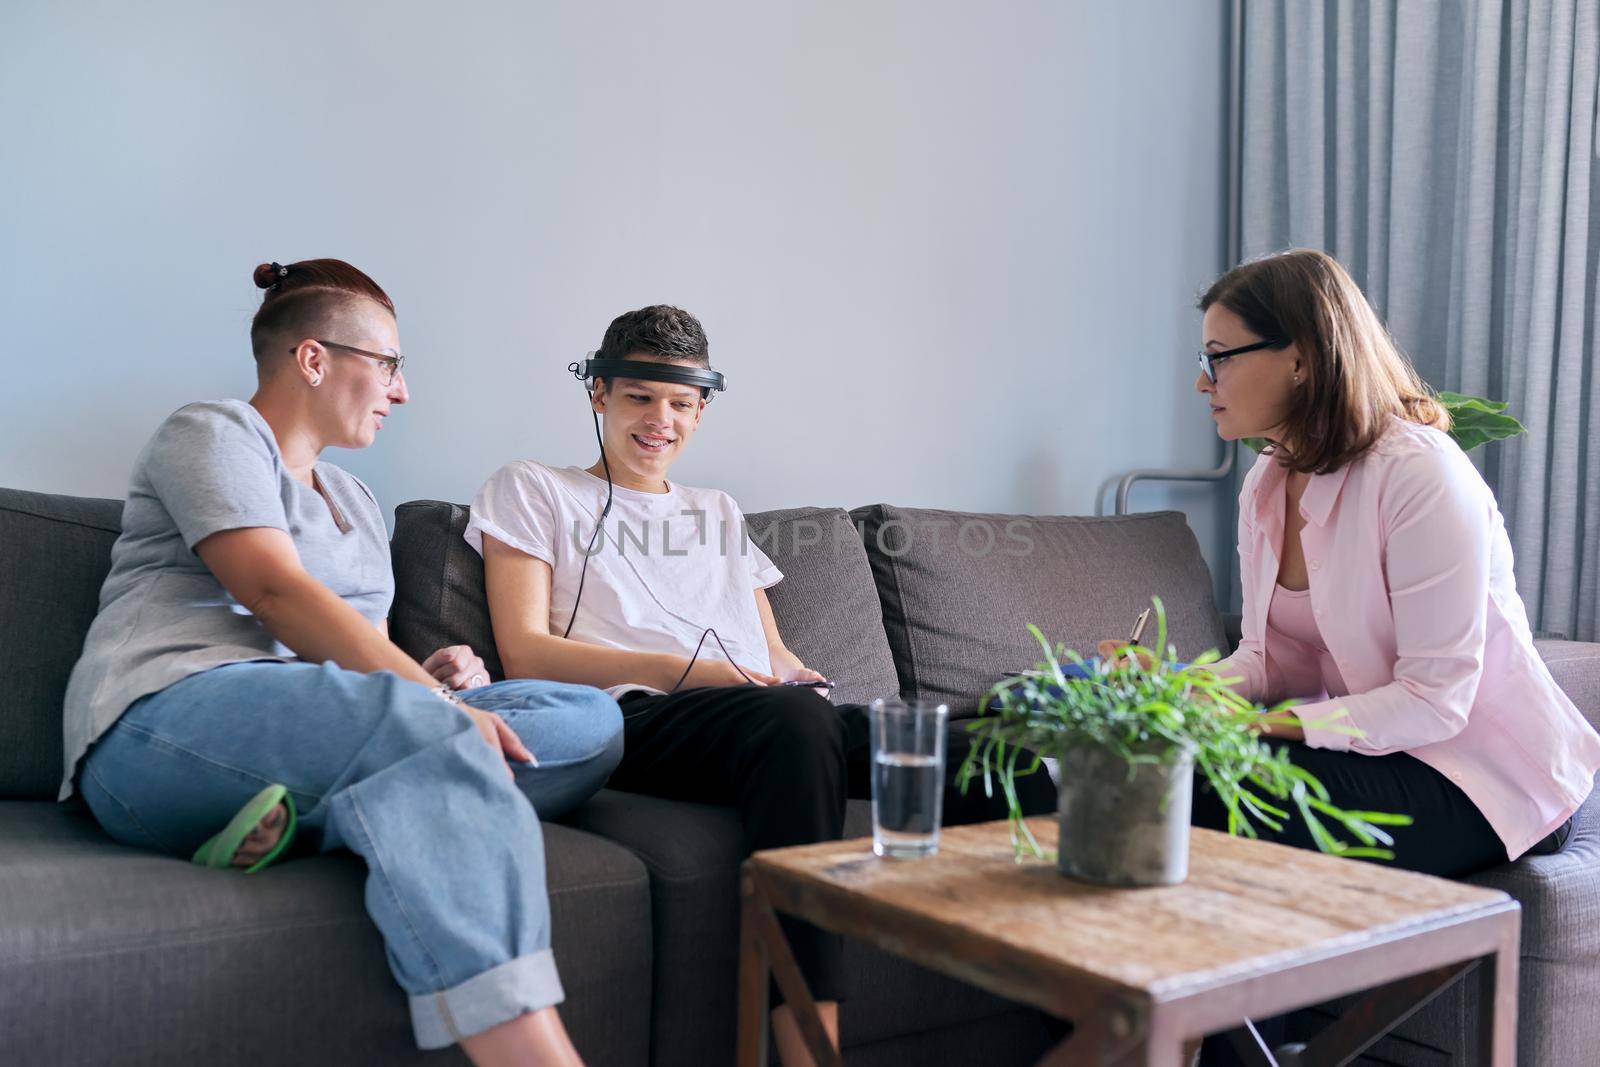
1448 837
787 759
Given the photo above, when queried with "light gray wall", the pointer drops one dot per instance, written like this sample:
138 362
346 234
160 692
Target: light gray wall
945 252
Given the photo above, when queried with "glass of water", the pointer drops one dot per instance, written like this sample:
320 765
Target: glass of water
907 776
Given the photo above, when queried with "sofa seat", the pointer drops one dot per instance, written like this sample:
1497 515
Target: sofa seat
692 853
184 965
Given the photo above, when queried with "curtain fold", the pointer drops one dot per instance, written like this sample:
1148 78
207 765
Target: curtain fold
1446 153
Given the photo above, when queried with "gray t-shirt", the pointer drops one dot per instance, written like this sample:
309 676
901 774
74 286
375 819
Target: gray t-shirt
163 615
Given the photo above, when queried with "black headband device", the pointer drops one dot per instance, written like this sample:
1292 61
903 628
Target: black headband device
704 379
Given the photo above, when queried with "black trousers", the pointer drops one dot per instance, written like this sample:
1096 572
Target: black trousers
787 759
1448 837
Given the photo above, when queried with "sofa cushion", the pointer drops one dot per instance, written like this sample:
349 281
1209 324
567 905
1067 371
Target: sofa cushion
826 606
958 590
54 555
439 598
109 952
693 854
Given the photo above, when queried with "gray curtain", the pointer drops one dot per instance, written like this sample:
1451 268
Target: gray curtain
1446 152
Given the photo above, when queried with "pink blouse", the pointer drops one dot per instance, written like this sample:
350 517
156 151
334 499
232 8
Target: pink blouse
1308 669
1425 646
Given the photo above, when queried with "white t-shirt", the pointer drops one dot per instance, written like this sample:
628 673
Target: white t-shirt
667 566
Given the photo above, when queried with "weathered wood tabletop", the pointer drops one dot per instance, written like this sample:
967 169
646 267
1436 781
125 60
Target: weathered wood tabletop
1257 929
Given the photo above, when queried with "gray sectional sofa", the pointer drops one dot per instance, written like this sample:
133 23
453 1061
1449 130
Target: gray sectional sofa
110 955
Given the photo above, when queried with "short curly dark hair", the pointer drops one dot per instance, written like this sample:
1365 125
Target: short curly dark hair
658 332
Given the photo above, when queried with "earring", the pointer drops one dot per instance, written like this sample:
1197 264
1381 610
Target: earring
318 381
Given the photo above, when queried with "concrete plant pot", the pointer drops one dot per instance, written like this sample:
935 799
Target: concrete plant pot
1124 824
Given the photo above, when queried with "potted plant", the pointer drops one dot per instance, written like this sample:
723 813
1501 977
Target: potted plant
1129 736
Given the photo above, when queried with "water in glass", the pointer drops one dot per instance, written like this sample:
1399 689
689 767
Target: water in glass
908 753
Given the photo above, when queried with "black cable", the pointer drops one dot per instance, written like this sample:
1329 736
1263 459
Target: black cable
696 655
599 525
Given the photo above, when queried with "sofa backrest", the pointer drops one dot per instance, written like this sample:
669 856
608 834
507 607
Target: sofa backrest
959 589
438 584
54 555
825 606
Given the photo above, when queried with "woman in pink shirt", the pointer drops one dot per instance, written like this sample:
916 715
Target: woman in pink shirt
1377 583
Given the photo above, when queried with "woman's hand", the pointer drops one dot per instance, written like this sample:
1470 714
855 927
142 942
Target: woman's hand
458 667
501 737
1115 652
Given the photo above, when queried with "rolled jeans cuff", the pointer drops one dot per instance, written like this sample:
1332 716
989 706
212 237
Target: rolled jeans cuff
498 995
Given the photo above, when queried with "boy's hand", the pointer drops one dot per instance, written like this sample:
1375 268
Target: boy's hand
786 667
805 674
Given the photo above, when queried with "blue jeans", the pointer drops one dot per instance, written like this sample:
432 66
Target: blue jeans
382 767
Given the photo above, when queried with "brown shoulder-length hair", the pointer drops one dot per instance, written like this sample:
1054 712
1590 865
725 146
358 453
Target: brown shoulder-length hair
1356 377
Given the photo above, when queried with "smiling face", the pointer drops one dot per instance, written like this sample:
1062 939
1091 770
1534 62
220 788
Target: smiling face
647 425
1254 391
351 397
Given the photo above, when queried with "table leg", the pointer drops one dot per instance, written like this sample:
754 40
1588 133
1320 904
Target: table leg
1497 999
757 913
752 1046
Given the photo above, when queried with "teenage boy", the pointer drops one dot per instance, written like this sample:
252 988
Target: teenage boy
672 618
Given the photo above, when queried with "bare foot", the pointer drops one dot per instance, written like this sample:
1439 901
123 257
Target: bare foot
261 840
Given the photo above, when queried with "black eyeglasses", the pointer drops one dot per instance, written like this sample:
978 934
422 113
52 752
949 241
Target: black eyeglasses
1209 360
391 364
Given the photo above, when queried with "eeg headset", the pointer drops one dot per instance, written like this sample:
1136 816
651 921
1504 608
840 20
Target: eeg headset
704 379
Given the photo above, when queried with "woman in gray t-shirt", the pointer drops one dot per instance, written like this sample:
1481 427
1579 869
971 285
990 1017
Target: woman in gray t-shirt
239 678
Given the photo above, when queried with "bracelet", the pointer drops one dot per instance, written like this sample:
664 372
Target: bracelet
444 692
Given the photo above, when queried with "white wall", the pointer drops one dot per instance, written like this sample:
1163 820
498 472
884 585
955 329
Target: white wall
945 252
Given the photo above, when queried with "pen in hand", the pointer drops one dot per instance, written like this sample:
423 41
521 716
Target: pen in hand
1138 627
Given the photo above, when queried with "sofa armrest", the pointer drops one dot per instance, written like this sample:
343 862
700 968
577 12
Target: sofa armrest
1559 983
1557 889
1575 665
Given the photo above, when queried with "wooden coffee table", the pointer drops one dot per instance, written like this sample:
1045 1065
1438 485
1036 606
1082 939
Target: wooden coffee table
1257 930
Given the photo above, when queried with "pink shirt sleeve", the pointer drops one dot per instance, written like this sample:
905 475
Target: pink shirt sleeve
1437 527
